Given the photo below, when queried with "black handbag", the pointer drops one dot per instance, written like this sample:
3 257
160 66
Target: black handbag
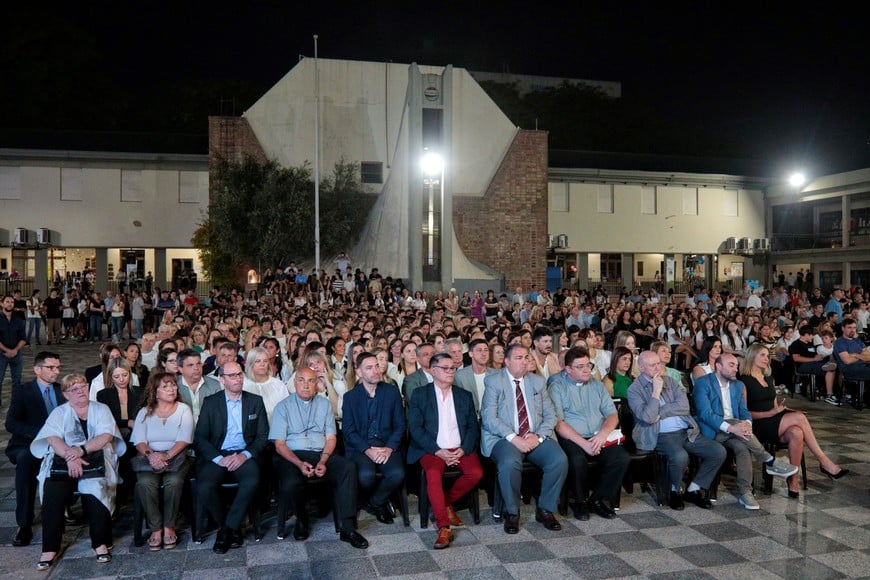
96 467
140 463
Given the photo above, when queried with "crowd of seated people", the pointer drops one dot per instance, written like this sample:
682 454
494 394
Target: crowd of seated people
353 382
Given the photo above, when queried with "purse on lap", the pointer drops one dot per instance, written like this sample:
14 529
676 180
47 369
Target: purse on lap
96 467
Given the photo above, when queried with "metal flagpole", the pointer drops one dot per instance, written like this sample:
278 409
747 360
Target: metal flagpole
316 164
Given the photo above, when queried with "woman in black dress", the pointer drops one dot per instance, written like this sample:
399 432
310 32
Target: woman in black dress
772 421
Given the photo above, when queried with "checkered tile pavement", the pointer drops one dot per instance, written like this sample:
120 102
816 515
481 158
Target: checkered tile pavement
824 534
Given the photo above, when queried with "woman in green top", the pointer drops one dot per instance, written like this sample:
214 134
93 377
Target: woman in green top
619 377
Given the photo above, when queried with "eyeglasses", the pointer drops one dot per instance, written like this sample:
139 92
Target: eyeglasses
76 389
172 360
590 366
51 367
445 369
233 375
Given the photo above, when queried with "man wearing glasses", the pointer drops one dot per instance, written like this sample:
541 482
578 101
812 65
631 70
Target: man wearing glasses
31 404
586 417
443 427
231 432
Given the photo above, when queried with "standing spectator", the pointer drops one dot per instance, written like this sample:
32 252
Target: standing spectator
53 313
12 340
34 316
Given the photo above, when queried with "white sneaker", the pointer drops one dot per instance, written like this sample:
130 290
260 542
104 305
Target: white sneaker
832 399
748 501
781 468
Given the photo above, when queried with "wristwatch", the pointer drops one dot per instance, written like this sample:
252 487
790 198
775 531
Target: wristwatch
540 439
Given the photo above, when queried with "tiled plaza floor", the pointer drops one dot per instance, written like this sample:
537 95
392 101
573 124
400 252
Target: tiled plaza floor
822 535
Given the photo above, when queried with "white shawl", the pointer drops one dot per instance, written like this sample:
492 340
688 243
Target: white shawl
63 423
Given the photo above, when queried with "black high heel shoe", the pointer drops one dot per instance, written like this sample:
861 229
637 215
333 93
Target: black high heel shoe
837 475
794 494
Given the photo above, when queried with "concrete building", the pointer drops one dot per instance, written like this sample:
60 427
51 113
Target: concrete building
77 210
822 227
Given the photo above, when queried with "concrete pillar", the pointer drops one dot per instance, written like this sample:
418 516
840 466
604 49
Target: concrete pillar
628 271
159 268
847 274
101 267
582 260
41 279
446 181
846 218
415 179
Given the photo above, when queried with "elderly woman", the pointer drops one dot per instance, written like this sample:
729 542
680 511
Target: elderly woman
259 379
773 421
74 441
161 433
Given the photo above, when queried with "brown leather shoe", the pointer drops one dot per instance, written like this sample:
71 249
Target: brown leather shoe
455 522
445 536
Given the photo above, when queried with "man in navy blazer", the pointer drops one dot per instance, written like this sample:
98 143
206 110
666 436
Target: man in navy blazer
443 427
231 432
516 428
373 424
722 415
31 403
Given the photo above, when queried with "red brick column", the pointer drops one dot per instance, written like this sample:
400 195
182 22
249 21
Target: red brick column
506 229
230 139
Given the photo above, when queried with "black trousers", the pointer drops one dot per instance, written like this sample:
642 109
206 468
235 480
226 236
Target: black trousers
614 461
55 497
26 470
340 472
210 476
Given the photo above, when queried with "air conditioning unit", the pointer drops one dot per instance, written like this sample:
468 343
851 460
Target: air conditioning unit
744 246
562 240
43 237
552 241
22 237
762 246
730 245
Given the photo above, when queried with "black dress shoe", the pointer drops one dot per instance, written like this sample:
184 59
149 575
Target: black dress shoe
602 509
581 511
22 537
700 498
236 539
222 541
676 501
511 523
383 515
300 531
354 538
548 520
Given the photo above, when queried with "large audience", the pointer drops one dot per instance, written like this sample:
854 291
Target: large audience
353 379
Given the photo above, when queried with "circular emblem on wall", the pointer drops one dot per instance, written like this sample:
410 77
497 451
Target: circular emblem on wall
431 93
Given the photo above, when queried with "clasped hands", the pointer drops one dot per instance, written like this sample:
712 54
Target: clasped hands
379 454
450 456
742 429
526 443
309 470
234 461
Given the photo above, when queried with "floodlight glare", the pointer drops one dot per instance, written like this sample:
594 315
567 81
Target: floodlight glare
797 179
432 164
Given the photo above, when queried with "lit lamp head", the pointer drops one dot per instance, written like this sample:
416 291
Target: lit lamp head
432 164
797 179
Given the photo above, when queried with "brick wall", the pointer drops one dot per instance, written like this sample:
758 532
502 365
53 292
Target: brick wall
230 138
506 229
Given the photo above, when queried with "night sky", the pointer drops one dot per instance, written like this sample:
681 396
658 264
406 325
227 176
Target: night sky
788 84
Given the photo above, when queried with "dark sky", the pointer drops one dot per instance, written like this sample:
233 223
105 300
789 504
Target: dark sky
788 82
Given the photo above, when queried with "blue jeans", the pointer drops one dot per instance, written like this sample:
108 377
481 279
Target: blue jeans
138 331
117 324
15 367
33 323
96 327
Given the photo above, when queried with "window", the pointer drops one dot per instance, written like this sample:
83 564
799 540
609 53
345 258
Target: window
648 200
371 171
729 196
131 185
70 184
559 200
640 269
605 199
192 186
690 201
10 183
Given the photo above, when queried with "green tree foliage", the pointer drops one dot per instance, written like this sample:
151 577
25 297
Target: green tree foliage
263 215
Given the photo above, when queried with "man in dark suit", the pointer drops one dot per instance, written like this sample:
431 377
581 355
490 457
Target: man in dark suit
31 403
443 427
518 419
373 424
231 432
421 376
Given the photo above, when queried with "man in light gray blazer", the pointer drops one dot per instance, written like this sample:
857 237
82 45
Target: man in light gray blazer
518 419
471 377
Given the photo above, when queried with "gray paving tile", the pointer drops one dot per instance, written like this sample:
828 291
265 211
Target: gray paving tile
207 559
817 521
760 549
648 519
742 572
544 569
682 575
398 543
277 553
627 542
491 573
460 557
801 568
706 555
600 566
405 563
656 562
294 571
358 568
810 544
576 547
520 552
676 536
853 563
725 531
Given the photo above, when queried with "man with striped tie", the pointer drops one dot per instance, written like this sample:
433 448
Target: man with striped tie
518 419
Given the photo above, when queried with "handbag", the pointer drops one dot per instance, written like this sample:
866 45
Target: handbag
140 463
96 467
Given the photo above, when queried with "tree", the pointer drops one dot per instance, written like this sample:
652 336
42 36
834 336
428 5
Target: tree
263 215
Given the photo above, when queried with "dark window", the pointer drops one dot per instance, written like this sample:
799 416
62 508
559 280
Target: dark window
640 268
371 172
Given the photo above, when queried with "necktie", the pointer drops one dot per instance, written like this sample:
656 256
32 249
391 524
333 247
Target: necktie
49 407
522 412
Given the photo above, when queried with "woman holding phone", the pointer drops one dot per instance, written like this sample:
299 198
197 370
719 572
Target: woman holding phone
773 421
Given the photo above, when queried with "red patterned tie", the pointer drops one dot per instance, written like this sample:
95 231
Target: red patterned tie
522 412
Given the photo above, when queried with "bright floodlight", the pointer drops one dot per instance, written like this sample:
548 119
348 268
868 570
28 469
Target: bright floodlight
797 179
432 164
